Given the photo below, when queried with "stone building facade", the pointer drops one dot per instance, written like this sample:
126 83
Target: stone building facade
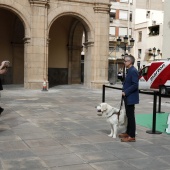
150 16
43 40
122 16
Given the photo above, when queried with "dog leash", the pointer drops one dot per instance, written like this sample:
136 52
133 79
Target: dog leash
121 104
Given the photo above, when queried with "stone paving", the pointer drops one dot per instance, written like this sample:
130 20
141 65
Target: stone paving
60 130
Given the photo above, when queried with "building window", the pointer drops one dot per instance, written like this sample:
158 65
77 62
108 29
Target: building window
130 16
125 1
139 53
112 15
139 36
111 49
112 31
130 32
154 30
123 31
123 15
147 14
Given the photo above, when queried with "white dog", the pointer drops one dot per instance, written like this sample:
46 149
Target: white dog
113 118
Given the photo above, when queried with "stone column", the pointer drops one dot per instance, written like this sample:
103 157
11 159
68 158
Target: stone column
37 58
27 48
101 45
88 63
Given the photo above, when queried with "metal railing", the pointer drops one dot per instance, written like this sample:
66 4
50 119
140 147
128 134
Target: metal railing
155 95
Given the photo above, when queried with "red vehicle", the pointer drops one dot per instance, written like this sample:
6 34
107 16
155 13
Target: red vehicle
154 75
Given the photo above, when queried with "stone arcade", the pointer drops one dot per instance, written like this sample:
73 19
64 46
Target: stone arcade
43 39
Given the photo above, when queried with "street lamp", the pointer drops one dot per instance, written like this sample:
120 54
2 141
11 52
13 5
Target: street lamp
152 52
124 45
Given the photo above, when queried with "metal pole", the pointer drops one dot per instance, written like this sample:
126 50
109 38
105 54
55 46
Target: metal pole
153 131
124 65
154 113
159 103
103 94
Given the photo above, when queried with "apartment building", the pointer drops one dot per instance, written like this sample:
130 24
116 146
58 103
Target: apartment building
166 30
121 25
149 18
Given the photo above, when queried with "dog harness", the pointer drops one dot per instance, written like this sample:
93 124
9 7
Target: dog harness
118 114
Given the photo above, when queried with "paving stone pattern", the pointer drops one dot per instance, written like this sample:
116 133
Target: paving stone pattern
60 130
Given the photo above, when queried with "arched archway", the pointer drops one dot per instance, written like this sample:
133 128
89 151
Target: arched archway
65 47
12 34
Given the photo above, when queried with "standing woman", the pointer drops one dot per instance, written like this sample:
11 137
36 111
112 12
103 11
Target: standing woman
131 97
3 69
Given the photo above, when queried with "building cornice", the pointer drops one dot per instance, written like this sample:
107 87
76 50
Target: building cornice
98 7
88 44
102 8
85 2
26 39
39 2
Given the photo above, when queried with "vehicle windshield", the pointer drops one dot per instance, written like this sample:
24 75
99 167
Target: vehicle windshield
144 71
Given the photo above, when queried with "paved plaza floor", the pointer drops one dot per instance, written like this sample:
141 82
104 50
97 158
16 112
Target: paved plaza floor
60 130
